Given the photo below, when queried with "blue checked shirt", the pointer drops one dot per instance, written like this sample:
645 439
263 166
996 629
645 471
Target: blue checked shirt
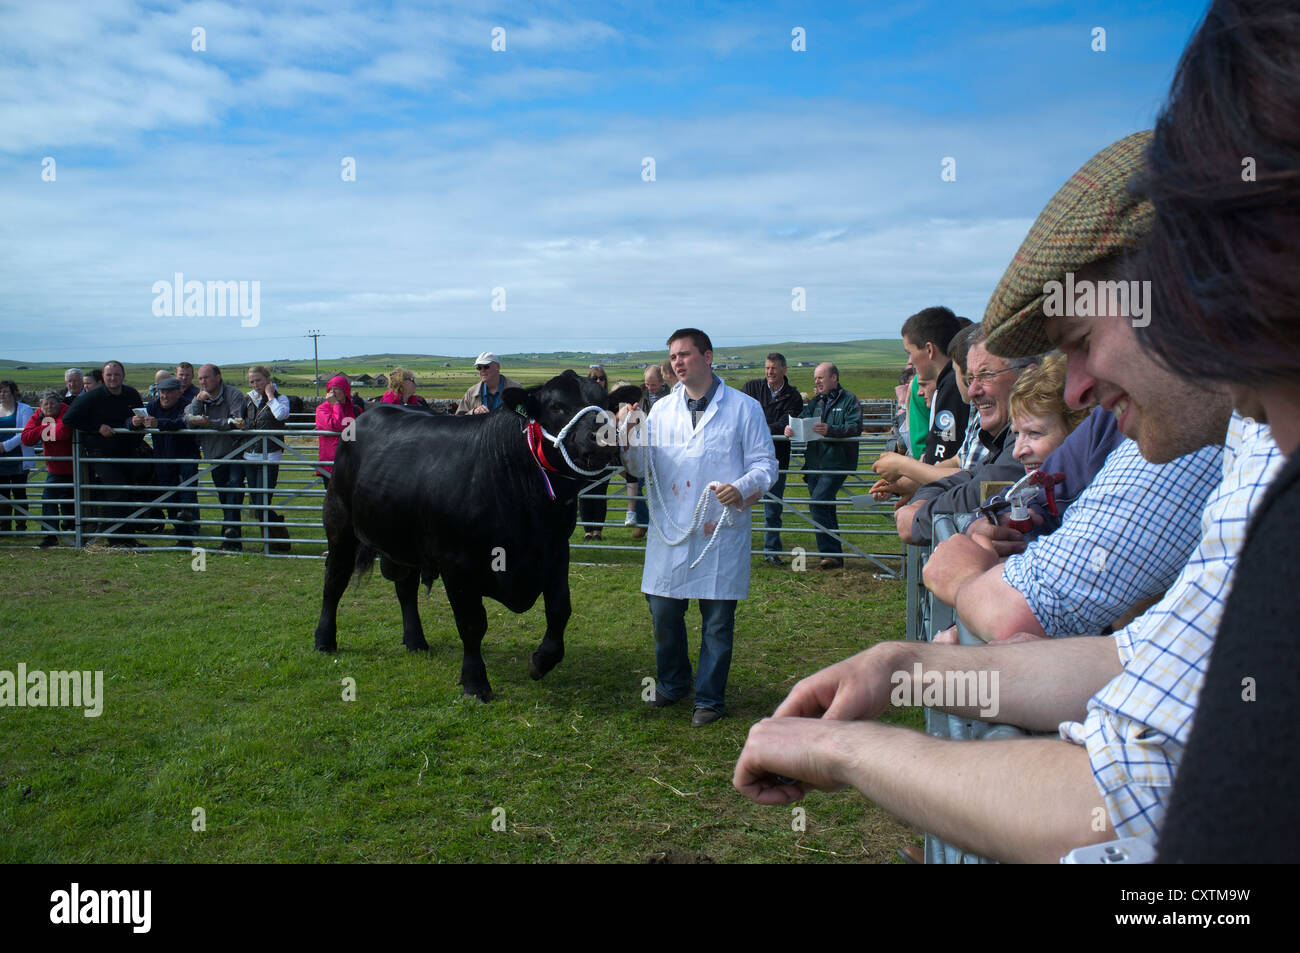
972 450
1122 541
1138 724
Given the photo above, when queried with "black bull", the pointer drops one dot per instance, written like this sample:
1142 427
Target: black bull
462 498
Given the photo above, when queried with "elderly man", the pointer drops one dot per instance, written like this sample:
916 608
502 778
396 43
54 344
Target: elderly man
76 383
839 417
222 408
989 380
1122 705
485 396
166 413
779 401
704 442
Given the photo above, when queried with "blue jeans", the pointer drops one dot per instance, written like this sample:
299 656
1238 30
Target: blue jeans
822 488
668 617
772 517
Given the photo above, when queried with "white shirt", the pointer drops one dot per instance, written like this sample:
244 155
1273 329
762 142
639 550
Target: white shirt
730 444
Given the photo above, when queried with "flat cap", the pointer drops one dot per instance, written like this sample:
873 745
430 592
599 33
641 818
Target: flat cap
1091 217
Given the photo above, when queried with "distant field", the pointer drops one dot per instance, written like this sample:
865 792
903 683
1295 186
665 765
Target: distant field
867 368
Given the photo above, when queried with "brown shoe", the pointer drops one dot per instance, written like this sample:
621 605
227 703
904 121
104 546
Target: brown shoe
831 563
912 854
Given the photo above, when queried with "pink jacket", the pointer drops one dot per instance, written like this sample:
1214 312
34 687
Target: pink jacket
334 417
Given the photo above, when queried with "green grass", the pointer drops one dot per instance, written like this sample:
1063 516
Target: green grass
215 699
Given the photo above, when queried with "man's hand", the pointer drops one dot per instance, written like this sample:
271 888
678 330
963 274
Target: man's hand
151 422
728 495
138 421
999 537
953 563
801 748
105 430
789 432
205 396
853 689
890 466
198 422
480 409
903 519
820 428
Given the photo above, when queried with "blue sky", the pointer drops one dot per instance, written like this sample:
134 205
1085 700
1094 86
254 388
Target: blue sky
522 169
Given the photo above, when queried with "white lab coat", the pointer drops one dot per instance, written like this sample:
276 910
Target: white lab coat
732 445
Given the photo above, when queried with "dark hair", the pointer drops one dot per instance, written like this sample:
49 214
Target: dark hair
776 357
960 344
96 374
934 325
185 364
120 366
907 374
11 385
1222 256
698 337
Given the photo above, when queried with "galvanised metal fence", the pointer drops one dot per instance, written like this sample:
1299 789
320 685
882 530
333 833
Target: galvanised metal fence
139 511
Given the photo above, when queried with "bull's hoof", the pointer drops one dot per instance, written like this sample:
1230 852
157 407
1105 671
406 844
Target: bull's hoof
326 645
539 665
483 694
421 646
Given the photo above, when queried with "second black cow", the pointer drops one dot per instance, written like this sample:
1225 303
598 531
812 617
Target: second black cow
488 502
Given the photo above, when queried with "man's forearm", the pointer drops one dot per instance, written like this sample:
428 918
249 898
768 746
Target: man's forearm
993 609
1021 800
1038 684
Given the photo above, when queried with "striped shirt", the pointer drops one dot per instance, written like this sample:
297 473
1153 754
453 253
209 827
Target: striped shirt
1123 540
1138 724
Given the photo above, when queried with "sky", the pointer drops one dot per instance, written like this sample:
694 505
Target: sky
609 172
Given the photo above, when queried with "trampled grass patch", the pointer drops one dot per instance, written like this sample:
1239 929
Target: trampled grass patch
214 699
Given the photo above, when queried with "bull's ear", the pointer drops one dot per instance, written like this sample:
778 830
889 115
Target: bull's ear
628 394
516 398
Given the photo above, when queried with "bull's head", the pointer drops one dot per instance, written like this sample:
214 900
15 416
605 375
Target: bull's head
591 440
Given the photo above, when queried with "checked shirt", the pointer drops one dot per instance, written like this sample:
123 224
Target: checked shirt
1138 724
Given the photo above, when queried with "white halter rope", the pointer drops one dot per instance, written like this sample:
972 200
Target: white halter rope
558 439
697 518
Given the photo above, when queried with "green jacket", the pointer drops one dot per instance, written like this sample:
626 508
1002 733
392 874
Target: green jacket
843 416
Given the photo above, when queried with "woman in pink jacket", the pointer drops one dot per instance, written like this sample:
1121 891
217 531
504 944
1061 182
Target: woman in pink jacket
334 414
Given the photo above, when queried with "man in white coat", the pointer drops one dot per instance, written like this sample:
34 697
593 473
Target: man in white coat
706 455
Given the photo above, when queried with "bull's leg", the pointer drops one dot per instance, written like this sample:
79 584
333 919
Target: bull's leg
339 565
407 583
471 623
558 610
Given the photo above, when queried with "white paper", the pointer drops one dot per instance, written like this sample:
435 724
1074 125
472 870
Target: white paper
802 428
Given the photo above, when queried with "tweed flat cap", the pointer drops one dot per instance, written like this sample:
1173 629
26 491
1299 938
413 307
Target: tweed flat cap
1091 217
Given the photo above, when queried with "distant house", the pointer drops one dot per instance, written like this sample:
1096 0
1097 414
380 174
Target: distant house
365 380
381 380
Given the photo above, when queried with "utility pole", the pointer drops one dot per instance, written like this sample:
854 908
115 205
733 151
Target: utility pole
315 334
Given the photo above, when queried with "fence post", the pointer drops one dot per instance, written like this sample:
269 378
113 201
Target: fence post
77 488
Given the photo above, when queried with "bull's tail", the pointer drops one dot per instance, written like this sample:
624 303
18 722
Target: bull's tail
365 560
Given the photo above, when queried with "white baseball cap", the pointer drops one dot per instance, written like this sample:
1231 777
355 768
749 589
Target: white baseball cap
487 357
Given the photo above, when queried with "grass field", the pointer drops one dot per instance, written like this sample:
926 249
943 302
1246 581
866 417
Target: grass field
215 700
